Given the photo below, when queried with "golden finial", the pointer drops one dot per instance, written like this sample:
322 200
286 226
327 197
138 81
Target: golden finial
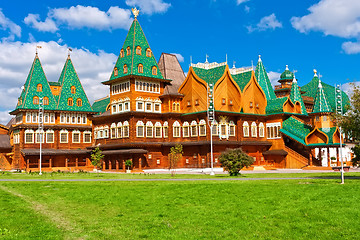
135 12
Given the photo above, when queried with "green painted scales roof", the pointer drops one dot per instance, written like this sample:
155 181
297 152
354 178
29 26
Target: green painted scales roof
100 105
295 96
275 105
321 104
211 75
287 74
263 80
242 79
295 129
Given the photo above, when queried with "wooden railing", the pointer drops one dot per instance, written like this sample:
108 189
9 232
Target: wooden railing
298 157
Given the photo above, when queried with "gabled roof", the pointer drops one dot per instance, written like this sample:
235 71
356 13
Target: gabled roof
171 69
263 80
135 38
100 105
68 79
275 105
321 104
211 75
295 96
36 76
310 90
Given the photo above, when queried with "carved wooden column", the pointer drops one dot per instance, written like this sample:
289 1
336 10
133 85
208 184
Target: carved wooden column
50 163
66 162
123 165
109 164
328 157
39 163
76 162
104 167
140 167
310 159
117 165
27 163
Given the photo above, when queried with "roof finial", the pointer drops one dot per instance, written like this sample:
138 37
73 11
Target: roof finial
206 56
36 51
226 58
135 12
234 64
294 79
315 75
259 58
69 50
287 67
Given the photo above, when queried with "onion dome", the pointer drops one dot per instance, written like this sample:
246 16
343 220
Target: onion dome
287 75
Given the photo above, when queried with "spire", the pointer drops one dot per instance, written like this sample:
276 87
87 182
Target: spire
315 73
259 58
287 67
321 103
294 79
263 80
295 95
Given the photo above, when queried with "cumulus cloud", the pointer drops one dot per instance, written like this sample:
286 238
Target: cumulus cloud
351 47
17 57
7 24
267 22
179 57
238 2
274 77
47 26
348 87
149 6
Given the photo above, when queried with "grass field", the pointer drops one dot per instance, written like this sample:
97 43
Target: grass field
266 209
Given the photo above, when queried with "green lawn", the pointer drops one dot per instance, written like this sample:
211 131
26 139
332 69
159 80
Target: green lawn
267 209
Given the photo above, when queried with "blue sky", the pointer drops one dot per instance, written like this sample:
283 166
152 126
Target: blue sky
302 34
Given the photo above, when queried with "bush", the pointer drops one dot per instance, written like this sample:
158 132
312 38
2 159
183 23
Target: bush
233 160
356 160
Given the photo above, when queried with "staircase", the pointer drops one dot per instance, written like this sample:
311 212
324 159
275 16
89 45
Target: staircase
295 160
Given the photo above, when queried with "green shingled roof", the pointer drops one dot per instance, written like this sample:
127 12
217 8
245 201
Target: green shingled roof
263 80
287 75
68 79
275 105
321 103
295 96
295 129
210 75
242 79
135 38
310 90
329 132
36 76
101 104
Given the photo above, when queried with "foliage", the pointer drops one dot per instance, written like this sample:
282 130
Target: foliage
233 160
356 159
128 163
96 157
175 155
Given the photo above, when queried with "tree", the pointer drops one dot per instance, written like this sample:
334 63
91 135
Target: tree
128 163
174 156
96 157
233 160
356 159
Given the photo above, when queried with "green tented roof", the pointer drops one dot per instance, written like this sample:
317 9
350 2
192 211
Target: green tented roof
321 104
310 90
275 105
263 80
242 79
295 129
287 75
295 96
100 105
210 75
68 79
135 38
36 76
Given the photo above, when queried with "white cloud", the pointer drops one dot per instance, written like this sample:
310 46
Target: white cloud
274 77
238 2
351 47
179 57
149 6
247 9
47 26
332 17
7 24
267 22
348 88
17 57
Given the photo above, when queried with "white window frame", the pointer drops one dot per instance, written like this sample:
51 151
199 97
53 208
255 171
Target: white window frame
37 132
113 131
46 117
232 126
166 129
84 136
159 105
119 130
53 135
195 132
140 133
275 129
52 117
246 129
73 133
186 129
29 131
62 118
149 125
28 117
253 129
158 127
261 130
67 136
151 106
126 130
202 124
143 105
176 125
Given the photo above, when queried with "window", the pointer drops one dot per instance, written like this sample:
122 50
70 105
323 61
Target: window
46 101
106 132
120 87
113 130
231 128
50 136
63 136
122 53
119 130
39 88
52 117
139 129
126 129
253 129
166 129
76 136
223 101
186 129
148 107
138 50
28 117
114 108
261 130
139 106
176 129
125 68
62 118
202 128
324 118
87 137
157 107
174 106
196 102
273 130
149 129
154 70
194 129
147 86
127 106
128 51
46 117
79 102
73 89
158 130
246 129
39 136
70 102
36 100
215 128
230 102
251 104
148 52
140 68
34 117
29 136
223 131
116 72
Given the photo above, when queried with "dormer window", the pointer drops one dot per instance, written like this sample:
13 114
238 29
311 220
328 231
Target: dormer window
223 101
79 102
73 89
138 50
125 68
122 53
154 70
39 88
70 102
36 100
140 68
257 105
116 72
46 101
148 52
128 51
251 104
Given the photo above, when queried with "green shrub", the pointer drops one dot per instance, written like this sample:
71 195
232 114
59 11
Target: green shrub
233 160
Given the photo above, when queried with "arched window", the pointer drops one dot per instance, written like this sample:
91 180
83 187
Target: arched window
139 129
39 88
113 130
50 136
149 129
138 50
246 129
166 129
140 68
125 68
253 129
231 128
261 130
194 132
116 72
178 107
154 70
29 136
148 52
106 131
64 136
46 101
176 129
215 128
36 100
128 51
76 136
39 136
174 106
73 89
158 130
87 137
126 129
119 130
122 53
202 128
79 102
70 102
186 131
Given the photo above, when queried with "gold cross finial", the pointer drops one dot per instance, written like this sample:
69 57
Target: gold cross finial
135 12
